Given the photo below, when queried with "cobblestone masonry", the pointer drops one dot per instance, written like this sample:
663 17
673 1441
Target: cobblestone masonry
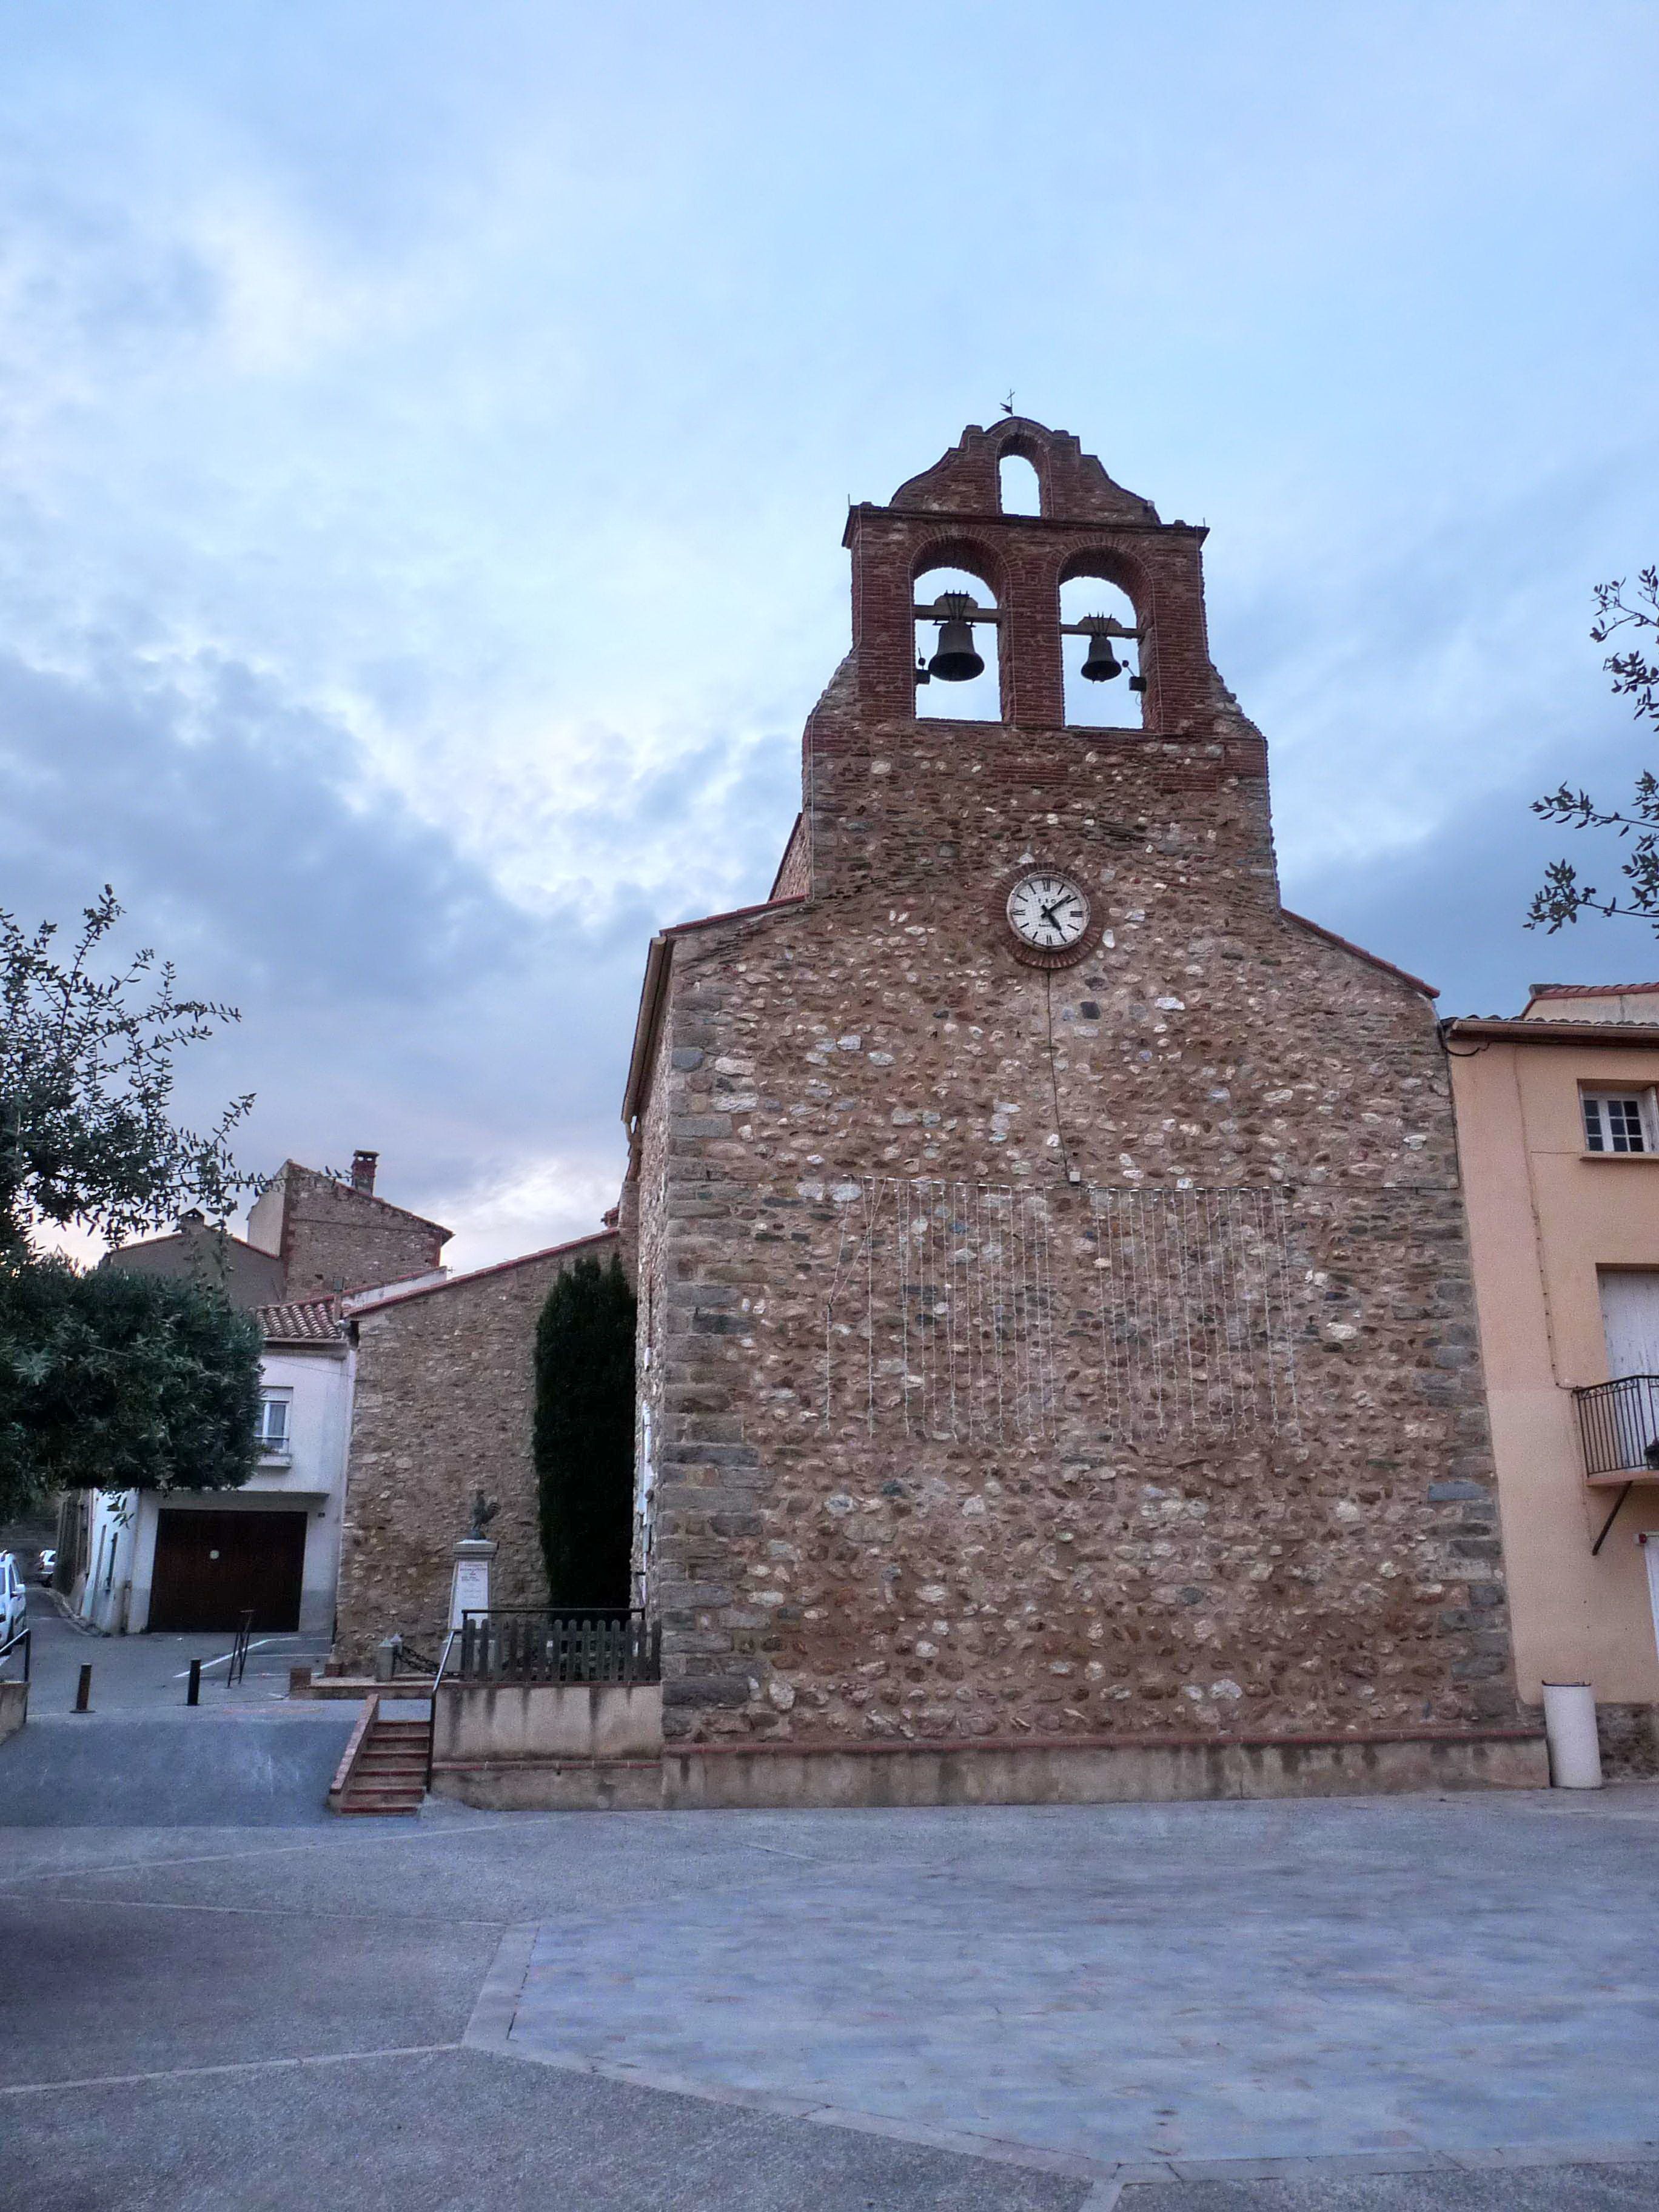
1082 1354
444 1406
331 1237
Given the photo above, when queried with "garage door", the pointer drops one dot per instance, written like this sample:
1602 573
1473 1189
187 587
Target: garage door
211 1568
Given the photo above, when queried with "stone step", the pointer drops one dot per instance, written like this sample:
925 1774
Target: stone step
389 1770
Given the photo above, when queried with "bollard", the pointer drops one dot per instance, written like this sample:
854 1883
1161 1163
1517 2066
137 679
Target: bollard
83 1692
193 1693
1570 1726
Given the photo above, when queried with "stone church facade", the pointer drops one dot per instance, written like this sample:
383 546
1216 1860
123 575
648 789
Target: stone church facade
1050 1343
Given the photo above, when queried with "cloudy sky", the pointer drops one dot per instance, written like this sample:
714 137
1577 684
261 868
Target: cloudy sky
426 432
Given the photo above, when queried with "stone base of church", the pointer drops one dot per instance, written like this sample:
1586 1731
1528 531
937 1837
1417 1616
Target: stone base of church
1099 1771
552 1785
1082 1770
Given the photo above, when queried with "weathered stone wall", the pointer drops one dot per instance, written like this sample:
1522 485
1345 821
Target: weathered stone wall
330 1238
1082 1354
794 876
1629 1740
445 1404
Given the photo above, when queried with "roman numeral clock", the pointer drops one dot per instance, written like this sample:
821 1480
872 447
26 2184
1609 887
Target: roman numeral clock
1047 918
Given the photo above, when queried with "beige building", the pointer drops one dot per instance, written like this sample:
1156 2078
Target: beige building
1558 1119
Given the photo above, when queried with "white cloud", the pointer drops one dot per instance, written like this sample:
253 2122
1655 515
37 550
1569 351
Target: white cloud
426 438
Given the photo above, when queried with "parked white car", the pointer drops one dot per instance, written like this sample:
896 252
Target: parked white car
13 1598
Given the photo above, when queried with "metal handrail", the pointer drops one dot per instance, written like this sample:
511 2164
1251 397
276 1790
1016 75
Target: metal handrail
1619 1425
432 1728
238 1667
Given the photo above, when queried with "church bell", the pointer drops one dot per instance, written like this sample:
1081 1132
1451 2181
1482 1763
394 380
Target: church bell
955 661
1100 663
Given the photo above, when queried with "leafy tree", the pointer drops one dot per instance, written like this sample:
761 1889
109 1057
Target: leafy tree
107 1379
1635 675
584 1438
111 1380
86 1090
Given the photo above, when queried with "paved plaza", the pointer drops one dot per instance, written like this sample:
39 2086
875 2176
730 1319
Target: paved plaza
1118 1984
216 1996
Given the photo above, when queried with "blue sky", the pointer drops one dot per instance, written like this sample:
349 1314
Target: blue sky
426 432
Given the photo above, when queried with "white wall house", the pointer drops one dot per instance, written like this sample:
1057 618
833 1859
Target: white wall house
198 1560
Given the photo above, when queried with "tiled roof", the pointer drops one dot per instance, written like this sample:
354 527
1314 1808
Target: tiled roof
1592 990
308 1321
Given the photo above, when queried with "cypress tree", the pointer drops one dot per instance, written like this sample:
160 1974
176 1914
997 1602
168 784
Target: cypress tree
584 1438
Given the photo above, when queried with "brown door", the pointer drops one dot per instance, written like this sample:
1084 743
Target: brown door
211 1568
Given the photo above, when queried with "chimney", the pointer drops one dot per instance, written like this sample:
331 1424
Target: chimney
362 1172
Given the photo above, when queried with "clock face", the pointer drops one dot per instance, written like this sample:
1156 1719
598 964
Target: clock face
1047 911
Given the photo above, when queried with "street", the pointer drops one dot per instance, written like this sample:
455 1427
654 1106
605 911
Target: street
147 1673
221 1996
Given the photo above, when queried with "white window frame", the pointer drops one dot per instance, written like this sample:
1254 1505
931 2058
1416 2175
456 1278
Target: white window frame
279 1447
1596 1124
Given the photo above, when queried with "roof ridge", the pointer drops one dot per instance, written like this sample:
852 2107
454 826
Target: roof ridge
397 1297
1590 990
1375 959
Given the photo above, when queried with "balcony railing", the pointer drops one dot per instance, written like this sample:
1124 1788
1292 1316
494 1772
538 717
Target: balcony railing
1618 1423
529 1643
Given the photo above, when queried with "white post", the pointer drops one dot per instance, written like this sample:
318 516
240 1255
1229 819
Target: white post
469 1588
1569 1727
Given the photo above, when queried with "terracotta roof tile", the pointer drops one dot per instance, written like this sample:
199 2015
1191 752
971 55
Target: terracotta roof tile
307 1321
1592 990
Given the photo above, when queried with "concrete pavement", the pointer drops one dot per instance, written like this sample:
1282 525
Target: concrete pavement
237 2002
149 1673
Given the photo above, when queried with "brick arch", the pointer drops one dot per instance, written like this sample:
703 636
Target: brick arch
1019 444
977 559
971 555
1112 564
1141 583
